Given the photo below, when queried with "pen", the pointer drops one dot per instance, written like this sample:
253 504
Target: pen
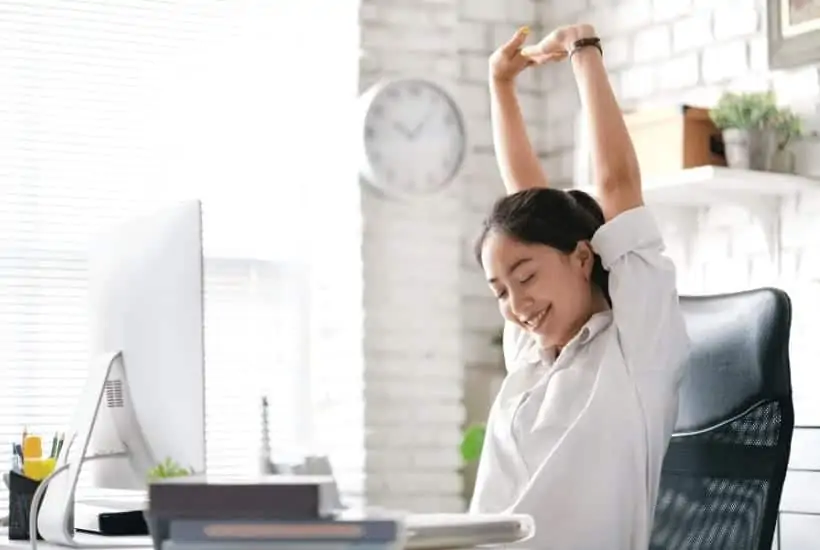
60 444
16 459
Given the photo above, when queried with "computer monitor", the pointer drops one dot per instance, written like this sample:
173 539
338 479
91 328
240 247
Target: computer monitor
144 397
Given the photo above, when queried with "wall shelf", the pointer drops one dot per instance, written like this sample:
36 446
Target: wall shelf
683 195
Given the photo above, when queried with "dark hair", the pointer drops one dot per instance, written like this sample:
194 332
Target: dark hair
552 217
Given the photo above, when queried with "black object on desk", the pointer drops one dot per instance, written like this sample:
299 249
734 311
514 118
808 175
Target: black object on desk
21 493
127 523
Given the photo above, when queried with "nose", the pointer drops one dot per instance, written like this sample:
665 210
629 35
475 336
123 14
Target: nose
520 303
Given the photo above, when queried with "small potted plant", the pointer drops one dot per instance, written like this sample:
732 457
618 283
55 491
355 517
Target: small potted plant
747 122
472 441
484 383
168 468
788 127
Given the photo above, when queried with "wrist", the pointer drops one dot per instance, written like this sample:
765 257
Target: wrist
583 57
501 83
577 32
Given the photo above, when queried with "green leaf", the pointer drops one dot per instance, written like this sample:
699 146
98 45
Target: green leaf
472 442
169 468
745 111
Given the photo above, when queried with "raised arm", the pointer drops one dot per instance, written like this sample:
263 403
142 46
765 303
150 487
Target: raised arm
517 161
616 173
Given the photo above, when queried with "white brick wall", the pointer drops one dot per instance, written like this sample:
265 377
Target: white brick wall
689 51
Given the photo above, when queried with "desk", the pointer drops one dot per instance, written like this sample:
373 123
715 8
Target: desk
125 542
117 543
131 542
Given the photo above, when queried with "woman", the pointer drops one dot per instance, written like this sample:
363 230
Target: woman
594 339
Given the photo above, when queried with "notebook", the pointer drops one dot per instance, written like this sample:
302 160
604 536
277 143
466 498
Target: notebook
440 531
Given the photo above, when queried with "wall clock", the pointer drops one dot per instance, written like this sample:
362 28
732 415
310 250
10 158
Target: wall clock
413 139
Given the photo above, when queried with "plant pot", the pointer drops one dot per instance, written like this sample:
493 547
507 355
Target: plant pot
784 161
749 149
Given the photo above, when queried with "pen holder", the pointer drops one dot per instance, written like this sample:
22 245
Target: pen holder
21 493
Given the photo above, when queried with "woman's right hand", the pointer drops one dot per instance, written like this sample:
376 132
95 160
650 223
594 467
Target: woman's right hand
507 62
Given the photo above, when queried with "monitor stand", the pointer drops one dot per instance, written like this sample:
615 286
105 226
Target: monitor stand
55 518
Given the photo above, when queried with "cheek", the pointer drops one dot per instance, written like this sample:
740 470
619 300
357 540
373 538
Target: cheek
563 287
506 310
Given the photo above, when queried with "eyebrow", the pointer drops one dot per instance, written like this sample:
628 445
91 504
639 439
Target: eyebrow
512 268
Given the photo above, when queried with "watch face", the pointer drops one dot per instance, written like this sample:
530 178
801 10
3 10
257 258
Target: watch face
414 137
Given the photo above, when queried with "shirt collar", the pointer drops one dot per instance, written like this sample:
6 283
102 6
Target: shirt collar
533 354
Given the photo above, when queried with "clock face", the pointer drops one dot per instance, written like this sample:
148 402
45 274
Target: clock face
413 137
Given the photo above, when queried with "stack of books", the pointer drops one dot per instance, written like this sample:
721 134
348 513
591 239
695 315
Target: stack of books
271 513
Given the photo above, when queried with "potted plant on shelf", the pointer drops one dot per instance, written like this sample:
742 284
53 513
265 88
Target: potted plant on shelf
788 127
747 122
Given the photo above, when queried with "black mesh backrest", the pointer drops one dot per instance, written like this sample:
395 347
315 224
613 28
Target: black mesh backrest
724 470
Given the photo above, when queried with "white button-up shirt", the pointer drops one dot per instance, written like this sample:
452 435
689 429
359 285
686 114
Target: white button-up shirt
578 441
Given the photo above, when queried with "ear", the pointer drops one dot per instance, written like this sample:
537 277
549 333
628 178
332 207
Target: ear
585 258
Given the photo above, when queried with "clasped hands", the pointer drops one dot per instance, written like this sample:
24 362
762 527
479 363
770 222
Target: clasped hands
513 57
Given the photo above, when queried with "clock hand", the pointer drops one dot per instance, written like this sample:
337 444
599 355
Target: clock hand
402 130
417 128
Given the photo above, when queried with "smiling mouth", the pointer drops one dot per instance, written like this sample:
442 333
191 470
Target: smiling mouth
535 321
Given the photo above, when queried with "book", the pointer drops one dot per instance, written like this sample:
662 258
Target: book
341 530
282 545
268 497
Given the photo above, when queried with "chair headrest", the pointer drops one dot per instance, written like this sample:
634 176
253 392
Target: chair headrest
740 354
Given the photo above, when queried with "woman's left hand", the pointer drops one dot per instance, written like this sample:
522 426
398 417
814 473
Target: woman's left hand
557 44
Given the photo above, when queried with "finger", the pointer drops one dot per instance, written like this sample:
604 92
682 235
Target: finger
532 51
517 40
540 58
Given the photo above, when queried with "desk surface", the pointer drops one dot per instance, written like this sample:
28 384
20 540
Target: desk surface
92 541
125 542
133 542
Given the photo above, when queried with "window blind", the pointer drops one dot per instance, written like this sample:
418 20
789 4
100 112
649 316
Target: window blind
108 107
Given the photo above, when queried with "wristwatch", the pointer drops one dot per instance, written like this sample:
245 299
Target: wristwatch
593 41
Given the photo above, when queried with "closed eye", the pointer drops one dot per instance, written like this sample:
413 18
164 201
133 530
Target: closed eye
527 279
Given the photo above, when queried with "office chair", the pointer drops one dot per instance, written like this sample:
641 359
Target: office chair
723 472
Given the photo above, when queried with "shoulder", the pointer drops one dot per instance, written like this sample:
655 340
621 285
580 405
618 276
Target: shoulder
631 231
643 291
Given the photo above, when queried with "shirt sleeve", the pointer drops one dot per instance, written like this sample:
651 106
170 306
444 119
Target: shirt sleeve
643 290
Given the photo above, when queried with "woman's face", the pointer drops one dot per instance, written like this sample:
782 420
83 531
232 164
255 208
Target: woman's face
539 288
